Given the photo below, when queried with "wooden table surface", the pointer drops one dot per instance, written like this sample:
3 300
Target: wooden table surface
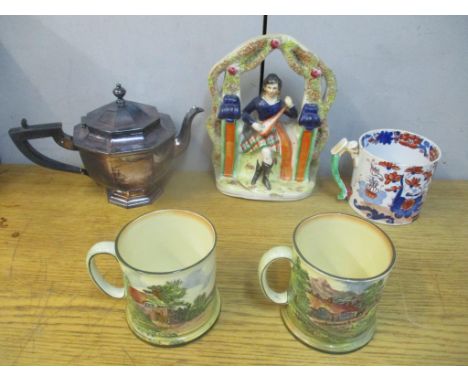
52 314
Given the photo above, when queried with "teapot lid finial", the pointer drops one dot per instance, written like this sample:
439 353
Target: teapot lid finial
119 92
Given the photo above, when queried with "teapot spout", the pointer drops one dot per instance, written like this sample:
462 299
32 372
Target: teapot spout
183 139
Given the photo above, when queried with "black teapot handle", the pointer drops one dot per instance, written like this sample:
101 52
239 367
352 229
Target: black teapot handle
21 136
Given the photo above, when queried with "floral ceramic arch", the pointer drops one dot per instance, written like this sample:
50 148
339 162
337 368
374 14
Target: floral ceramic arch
300 140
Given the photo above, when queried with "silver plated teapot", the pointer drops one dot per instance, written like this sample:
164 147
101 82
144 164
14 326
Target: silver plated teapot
125 146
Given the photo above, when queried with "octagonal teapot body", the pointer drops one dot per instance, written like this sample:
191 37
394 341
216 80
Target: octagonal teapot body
125 146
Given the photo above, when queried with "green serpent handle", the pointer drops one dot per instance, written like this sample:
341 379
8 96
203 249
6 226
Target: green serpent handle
337 151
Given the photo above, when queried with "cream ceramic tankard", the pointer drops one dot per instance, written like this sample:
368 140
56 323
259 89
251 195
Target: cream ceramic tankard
167 258
340 264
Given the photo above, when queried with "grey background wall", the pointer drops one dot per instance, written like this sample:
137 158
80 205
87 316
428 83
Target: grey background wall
392 72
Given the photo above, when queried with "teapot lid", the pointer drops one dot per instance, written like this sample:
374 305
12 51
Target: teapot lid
122 126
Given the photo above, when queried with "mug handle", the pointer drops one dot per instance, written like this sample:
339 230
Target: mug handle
107 248
337 151
267 259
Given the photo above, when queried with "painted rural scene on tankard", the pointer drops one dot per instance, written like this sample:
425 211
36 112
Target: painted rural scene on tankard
163 311
329 314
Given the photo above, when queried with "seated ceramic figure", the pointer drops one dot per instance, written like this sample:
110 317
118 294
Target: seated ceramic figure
267 148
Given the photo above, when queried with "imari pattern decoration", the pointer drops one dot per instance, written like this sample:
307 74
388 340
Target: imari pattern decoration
267 148
391 175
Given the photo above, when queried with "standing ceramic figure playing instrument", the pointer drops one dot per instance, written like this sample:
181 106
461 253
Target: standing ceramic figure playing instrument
254 155
267 135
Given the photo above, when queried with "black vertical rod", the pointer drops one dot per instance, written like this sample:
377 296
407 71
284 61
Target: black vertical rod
262 66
